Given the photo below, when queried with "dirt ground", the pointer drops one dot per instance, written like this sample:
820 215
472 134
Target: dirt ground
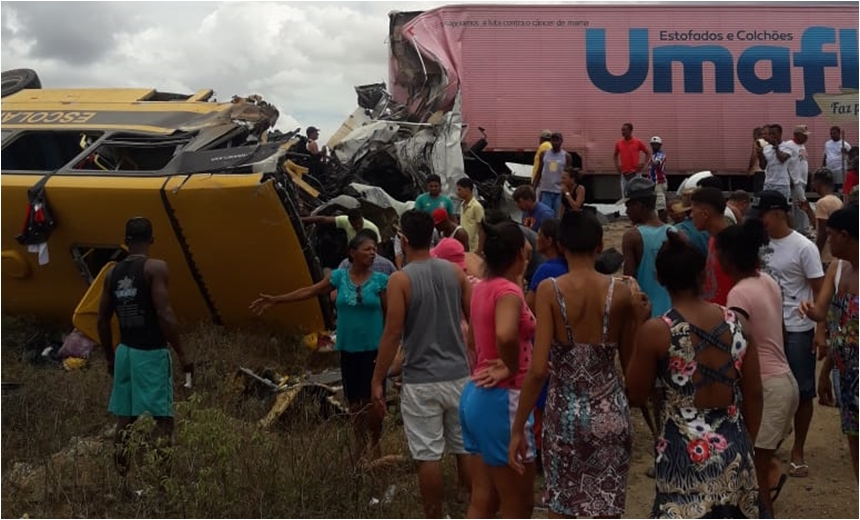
225 466
830 491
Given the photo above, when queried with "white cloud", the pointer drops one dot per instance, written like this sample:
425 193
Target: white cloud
304 57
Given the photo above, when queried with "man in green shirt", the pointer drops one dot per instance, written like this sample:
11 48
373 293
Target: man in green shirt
427 202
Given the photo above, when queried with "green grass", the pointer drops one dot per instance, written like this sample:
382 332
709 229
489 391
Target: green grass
57 455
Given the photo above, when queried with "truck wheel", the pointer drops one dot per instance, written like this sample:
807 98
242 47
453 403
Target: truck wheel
19 79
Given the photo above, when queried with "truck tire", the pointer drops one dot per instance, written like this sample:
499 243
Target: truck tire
19 79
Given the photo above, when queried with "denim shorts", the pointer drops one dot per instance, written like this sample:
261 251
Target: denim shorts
801 359
553 200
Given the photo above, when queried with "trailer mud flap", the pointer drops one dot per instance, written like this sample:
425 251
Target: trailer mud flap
264 251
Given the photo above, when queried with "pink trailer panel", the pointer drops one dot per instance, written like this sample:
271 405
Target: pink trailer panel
699 76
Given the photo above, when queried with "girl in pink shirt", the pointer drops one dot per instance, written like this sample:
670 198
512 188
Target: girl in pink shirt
502 326
757 297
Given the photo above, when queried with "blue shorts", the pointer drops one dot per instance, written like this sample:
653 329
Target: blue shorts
142 382
486 416
801 359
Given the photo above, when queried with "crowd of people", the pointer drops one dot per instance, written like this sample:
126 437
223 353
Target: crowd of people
518 366
516 355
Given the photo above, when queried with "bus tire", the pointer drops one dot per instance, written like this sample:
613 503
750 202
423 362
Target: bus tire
18 79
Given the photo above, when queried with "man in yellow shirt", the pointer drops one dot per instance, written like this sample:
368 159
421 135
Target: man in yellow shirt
542 147
471 211
352 223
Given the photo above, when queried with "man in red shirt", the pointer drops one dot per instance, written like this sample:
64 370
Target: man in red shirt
627 155
708 214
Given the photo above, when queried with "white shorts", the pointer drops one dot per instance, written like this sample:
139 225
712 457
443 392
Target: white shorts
780 400
431 418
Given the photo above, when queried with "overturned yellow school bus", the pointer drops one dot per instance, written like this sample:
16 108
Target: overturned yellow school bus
76 164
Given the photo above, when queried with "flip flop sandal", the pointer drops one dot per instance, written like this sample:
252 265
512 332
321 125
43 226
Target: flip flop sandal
799 470
775 491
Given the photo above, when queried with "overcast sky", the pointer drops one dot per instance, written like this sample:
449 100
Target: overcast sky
304 57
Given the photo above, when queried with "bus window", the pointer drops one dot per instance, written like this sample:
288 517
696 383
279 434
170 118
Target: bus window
133 153
45 151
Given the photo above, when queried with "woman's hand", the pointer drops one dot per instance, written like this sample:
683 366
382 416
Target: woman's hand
517 451
378 398
491 376
641 304
263 303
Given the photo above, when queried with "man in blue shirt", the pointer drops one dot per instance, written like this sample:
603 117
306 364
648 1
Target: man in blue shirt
534 212
427 202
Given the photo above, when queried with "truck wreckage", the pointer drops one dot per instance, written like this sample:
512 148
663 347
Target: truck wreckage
224 191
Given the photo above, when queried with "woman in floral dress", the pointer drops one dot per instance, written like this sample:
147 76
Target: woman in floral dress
585 319
704 456
838 304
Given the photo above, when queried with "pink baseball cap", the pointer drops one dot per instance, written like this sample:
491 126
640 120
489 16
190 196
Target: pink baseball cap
450 249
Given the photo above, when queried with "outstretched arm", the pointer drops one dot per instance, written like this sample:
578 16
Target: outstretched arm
266 301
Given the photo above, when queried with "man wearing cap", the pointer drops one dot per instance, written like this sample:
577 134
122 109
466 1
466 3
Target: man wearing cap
641 244
628 150
793 261
543 146
775 155
313 147
798 172
552 163
136 290
448 229
657 172
679 212
822 184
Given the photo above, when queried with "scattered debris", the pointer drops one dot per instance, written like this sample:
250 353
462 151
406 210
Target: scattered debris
320 341
387 497
322 390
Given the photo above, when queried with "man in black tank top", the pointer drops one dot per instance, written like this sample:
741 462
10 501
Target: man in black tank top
136 290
